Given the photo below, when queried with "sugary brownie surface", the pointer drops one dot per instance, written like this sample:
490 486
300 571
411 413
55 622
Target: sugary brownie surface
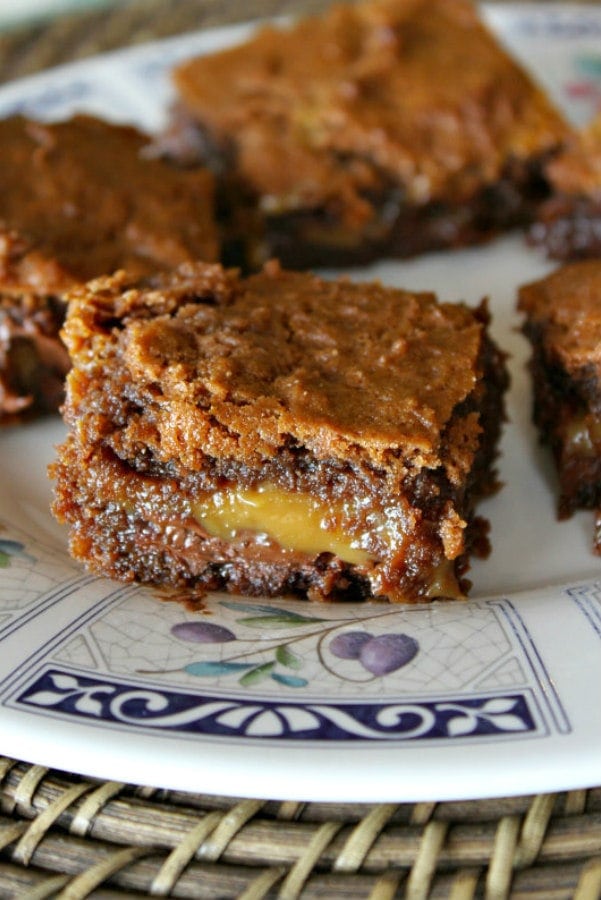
24 268
348 370
565 308
81 192
413 93
577 169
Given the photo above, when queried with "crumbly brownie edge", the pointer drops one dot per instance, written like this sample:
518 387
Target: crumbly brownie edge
561 400
33 359
314 237
412 230
568 228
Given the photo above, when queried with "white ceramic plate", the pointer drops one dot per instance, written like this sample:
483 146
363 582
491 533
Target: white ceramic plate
498 695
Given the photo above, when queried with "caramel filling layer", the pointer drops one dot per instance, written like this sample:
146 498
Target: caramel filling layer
297 521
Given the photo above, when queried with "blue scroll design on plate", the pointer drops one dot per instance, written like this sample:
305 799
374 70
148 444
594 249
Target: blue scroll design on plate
103 700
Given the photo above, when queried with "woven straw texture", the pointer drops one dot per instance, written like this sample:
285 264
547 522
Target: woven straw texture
66 837
70 838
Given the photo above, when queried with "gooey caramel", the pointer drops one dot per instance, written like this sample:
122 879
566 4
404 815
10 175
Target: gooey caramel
302 523
297 521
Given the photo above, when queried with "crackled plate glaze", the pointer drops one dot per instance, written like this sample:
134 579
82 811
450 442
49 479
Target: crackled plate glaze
291 700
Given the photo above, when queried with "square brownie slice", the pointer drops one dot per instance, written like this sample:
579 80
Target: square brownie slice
382 128
563 324
281 434
79 198
568 224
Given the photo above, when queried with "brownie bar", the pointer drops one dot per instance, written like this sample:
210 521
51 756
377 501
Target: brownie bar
388 127
79 199
280 434
568 224
563 324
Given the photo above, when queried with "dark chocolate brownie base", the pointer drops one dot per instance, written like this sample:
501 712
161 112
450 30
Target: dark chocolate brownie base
315 237
562 415
33 360
399 230
568 228
568 224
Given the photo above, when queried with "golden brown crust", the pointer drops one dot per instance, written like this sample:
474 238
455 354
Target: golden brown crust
81 193
412 93
565 310
25 269
350 371
577 169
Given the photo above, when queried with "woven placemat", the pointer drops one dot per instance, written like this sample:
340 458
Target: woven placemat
77 35
61 836
68 837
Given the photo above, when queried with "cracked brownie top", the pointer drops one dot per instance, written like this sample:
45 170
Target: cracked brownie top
415 93
565 307
219 365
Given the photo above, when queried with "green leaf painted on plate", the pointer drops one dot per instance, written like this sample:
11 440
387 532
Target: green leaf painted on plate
216 668
267 615
286 657
253 607
4 560
259 673
280 621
